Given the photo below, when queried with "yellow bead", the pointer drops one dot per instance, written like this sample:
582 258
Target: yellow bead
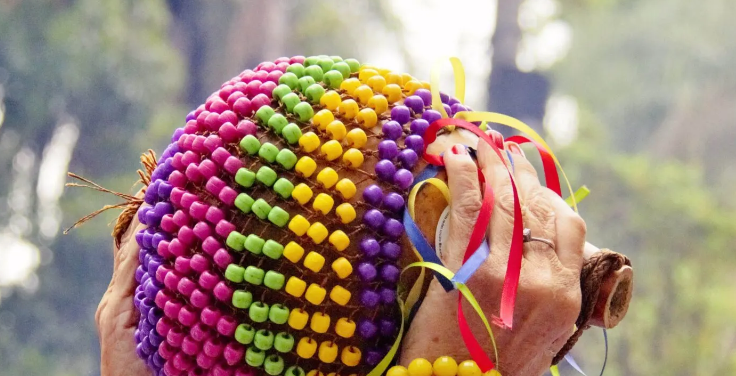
378 103
331 100
293 252
345 327
350 356
320 322
376 83
322 118
298 318
493 372
468 368
393 78
383 71
392 93
323 202
340 295
342 267
350 85
337 130
302 194
420 367
426 85
397 371
315 294
367 118
366 73
306 347
339 240
299 225
353 157
315 372
295 287
348 109
444 366
346 188
314 261
363 93
309 142
406 77
327 352
332 150
333 374
357 138
346 212
327 177
367 66
318 232
305 166
412 86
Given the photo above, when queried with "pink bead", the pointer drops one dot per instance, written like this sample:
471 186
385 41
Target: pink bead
214 215
171 280
211 245
219 106
234 97
182 362
167 223
224 228
222 292
163 326
169 369
171 310
221 370
176 159
210 316
211 99
163 249
282 67
176 248
189 346
220 155
180 217
181 265
187 199
207 280
186 286
202 118
260 76
199 263
191 127
259 101
186 235
228 132
243 107
297 59
198 144
199 110
176 196
228 117
246 127
212 347
240 86
233 352
198 210
166 351
267 66
246 75
161 273
226 91
177 179
187 316
200 299
232 165
202 230
207 169
213 142
200 332
245 372
282 59
212 122
273 78
204 361
227 196
252 89
193 174
222 258
226 325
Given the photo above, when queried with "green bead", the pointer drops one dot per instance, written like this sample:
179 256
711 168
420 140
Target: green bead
333 79
254 357
315 71
263 339
234 272
314 93
286 158
273 250
277 122
304 110
284 342
283 187
305 82
343 68
280 91
294 371
289 79
245 177
336 59
235 240
242 299
264 113
278 216
274 281
266 175
311 60
254 244
244 334
258 312
290 100
278 314
243 201
254 275
268 152
273 365
291 133
261 208
250 144
325 64
296 68
353 64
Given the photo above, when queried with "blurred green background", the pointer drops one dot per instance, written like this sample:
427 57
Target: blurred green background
637 96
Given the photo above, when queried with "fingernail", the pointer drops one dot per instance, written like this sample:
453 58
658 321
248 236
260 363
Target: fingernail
497 138
514 148
459 150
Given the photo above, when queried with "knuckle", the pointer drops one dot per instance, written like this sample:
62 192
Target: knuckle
576 223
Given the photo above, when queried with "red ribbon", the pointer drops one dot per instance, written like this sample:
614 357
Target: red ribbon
550 170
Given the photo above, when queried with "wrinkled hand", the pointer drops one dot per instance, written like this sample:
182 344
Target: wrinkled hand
116 316
549 297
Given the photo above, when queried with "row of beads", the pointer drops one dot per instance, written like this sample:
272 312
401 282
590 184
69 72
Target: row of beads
442 366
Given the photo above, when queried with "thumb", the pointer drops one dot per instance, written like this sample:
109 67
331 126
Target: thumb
465 201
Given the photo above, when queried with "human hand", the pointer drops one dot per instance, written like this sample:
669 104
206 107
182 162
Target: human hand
549 295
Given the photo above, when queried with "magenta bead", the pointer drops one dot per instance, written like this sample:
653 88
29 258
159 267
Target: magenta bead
204 361
207 280
224 228
228 132
186 286
167 223
222 258
199 298
200 331
198 210
171 309
163 326
228 195
222 292
186 235
187 316
177 248
226 325
192 173
177 179
176 196
199 263
212 347
252 89
246 127
232 165
234 96
233 352
214 215
162 297
201 230
211 245
243 107
218 105
267 87
198 144
180 217
266 66
297 59
220 155
171 280
182 362
212 122
259 101
210 316
227 117
190 157
182 265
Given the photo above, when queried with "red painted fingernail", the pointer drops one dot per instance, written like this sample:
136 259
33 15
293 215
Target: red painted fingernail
514 148
497 138
459 150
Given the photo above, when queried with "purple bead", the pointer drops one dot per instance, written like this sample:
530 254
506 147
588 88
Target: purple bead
448 110
388 149
400 114
164 190
190 116
431 116
151 290
367 329
139 272
418 126
388 327
408 158
457 107
157 360
385 169
148 348
139 234
373 195
142 214
390 273
391 250
367 272
415 143
138 298
388 295
415 103
139 351
177 134
370 247
393 228
392 130
393 201
426 96
368 298
403 179
374 219
148 237
151 193
444 97
373 357
154 315
153 266
453 101
157 238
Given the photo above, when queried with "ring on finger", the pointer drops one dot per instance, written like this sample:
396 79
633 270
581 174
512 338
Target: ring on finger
529 238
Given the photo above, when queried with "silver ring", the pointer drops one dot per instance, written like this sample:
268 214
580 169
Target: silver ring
529 238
